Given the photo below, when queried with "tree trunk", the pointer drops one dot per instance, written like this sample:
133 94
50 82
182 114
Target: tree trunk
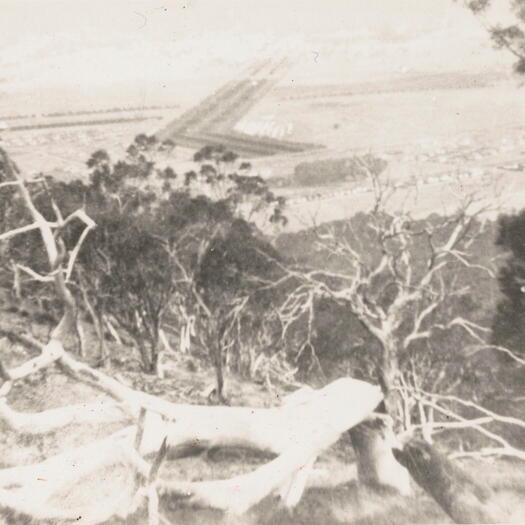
145 356
102 348
377 467
17 285
214 333
462 497
373 440
154 357
112 329
80 336
219 372
388 376
97 318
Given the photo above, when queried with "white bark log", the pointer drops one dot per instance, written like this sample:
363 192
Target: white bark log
325 416
297 433
57 418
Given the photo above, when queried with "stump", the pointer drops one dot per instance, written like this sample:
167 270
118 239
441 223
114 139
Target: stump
377 467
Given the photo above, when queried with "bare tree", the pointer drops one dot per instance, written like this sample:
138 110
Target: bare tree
61 261
394 274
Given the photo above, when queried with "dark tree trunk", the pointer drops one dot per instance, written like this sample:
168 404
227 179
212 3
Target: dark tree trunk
388 375
97 320
154 357
145 356
214 341
218 364
101 336
377 467
373 440
462 497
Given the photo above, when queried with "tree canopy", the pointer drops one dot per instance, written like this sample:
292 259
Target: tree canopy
508 36
508 327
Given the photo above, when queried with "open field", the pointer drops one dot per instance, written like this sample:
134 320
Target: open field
501 192
457 139
390 120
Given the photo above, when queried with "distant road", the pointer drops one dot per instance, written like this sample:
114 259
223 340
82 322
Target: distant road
211 122
502 192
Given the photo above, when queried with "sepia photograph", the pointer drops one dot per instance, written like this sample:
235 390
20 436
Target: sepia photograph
262 262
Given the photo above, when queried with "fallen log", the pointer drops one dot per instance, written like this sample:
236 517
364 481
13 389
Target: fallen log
271 430
50 353
51 420
298 434
236 495
53 489
463 498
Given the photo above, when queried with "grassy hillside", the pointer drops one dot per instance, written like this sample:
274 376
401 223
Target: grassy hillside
340 501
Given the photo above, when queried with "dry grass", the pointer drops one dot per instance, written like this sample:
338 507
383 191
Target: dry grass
342 503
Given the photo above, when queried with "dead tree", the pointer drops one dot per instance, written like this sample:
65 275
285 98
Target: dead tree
61 262
389 272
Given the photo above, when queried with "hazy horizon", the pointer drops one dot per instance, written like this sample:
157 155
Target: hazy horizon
56 53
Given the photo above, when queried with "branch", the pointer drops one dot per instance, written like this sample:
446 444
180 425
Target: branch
90 224
36 276
470 404
431 400
40 490
50 354
17 231
505 351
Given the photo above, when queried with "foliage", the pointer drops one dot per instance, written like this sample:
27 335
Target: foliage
166 249
510 37
170 254
508 328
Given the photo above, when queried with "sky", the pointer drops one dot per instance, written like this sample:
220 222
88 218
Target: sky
172 19
148 46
